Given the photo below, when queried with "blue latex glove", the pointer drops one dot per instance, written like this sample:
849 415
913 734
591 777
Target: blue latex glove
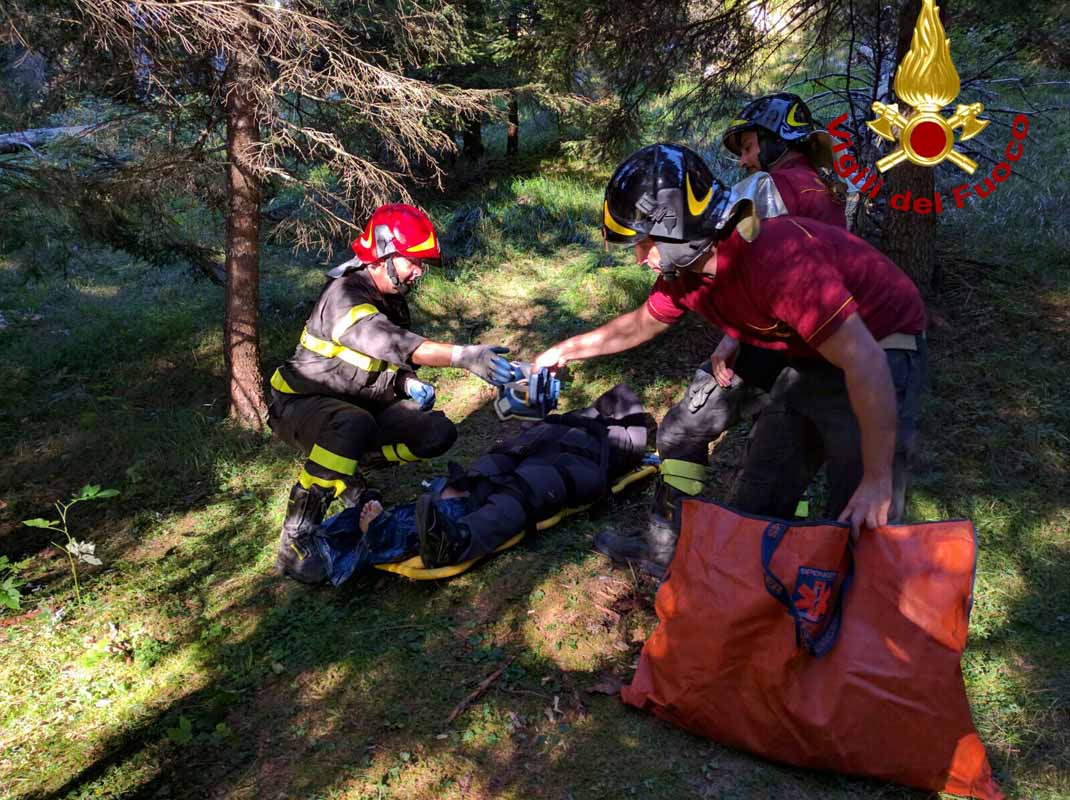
422 393
484 361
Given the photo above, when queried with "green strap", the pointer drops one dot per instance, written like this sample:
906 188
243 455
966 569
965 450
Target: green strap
687 476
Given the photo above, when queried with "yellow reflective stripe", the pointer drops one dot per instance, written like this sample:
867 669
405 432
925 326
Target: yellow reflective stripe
736 122
694 205
354 357
687 476
351 318
612 224
308 480
325 458
318 346
426 244
279 383
406 454
400 453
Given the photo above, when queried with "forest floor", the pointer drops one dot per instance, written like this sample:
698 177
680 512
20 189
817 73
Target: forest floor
189 670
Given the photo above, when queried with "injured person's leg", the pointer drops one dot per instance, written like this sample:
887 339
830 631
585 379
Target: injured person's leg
373 509
562 464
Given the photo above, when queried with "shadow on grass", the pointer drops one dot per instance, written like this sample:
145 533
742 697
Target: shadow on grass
369 673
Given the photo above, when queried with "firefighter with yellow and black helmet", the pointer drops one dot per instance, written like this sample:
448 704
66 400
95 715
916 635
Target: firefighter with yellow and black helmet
350 395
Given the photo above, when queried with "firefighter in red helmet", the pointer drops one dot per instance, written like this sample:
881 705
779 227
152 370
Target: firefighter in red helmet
350 395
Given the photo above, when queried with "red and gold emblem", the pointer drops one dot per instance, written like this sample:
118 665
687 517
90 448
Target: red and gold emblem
927 80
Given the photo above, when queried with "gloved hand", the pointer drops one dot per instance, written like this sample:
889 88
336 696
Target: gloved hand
483 361
699 391
422 393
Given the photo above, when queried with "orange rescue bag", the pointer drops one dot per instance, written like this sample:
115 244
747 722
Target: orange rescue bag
785 640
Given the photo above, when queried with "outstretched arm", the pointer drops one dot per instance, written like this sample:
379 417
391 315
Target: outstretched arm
620 334
484 361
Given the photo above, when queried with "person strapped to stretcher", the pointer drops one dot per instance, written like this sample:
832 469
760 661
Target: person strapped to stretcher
350 397
555 467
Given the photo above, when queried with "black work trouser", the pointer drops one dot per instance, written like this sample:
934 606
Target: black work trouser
336 435
809 422
709 409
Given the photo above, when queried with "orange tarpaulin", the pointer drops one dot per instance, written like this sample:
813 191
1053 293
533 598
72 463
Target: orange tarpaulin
784 640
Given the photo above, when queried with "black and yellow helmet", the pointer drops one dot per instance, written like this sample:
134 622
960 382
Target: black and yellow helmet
780 120
664 191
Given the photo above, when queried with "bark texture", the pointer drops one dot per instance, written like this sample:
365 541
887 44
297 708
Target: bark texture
241 340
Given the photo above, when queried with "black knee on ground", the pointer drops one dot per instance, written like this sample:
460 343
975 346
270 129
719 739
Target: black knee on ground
438 437
351 434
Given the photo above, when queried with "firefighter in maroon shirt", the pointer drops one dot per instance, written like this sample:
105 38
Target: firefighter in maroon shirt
777 135
850 322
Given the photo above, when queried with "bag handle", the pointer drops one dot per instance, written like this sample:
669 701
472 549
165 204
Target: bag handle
817 645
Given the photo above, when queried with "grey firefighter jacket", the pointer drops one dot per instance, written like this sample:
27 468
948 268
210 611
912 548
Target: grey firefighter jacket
356 345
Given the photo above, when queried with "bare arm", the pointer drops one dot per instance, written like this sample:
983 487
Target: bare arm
432 354
619 334
853 349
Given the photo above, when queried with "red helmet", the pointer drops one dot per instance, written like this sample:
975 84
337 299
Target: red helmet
397 229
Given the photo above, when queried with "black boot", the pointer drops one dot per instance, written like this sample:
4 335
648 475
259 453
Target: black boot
650 549
442 541
356 487
298 556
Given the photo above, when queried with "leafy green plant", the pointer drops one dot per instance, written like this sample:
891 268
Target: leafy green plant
76 551
10 596
181 734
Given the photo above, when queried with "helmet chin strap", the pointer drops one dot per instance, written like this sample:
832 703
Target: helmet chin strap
770 149
391 273
677 256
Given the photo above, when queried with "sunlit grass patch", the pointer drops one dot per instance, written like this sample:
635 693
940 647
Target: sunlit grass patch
226 679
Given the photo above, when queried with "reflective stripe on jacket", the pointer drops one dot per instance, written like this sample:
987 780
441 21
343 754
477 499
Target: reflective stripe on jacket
353 344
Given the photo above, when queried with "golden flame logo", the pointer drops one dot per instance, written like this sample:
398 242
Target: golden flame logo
927 80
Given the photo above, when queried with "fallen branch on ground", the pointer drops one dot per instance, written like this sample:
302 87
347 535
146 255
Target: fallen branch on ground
483 686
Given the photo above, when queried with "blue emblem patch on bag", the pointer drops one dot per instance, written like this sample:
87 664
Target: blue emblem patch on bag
813 593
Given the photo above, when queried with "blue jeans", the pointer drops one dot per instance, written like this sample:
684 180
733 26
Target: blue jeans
809 422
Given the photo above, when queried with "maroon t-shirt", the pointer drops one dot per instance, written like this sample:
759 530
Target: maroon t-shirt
806 195
793 287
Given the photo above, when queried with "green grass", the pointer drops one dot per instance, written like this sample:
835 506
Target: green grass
222 680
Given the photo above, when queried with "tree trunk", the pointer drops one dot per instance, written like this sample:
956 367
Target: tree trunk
512 141
909 238
241 335
472 137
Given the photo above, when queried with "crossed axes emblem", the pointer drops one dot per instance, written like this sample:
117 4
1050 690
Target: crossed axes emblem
927 138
